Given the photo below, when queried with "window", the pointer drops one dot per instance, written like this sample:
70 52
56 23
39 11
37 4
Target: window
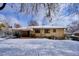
54 30
37 30
46 30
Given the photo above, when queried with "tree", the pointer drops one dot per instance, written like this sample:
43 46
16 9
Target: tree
17 25
2 26
33 23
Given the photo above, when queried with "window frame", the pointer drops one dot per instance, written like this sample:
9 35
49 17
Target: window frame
37 30
46 30
54 30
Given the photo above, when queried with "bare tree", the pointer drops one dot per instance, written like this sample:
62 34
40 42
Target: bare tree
33 23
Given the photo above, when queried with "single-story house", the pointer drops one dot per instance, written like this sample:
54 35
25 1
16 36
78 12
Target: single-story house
41 31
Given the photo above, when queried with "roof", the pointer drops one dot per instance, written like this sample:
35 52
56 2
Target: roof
76 31
22 28
47 27
31 27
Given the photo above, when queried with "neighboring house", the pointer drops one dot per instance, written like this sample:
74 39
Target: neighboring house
42 31
76 33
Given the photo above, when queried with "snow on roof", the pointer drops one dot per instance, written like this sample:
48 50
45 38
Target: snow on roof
31 27
76 31
22 28
47 26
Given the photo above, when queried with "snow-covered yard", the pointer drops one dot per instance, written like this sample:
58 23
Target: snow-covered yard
38 47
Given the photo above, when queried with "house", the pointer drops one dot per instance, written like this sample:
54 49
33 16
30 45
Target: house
76 33
42 31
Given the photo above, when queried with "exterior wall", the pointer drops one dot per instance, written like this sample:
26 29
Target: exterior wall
37 34
59 33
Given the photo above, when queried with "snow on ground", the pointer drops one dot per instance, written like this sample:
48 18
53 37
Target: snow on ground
38 47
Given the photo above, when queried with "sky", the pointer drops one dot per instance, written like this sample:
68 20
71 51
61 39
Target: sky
66 11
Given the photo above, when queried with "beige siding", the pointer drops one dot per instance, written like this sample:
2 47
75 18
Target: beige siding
37 34
59 33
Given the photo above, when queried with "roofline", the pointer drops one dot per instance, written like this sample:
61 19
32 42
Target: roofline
30 27
48 27
22 29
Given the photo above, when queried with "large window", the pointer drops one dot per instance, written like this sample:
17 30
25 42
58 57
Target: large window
37 30
54 30
47 30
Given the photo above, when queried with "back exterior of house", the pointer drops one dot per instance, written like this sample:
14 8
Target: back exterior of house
42 32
